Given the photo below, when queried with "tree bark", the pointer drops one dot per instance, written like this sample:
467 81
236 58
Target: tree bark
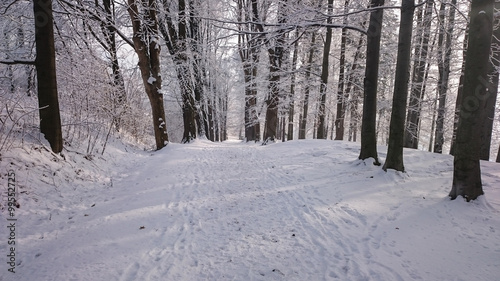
368 126
466 165
493 73
109 32
145 33
291 111
275 63
418 78
444 73
45 63
394 158
249 50
460 91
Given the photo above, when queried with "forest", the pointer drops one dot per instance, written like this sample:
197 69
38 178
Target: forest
249 140
75 73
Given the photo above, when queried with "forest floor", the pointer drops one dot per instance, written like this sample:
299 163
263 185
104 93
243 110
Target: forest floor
300 210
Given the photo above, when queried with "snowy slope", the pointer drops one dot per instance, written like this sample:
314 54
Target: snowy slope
300 210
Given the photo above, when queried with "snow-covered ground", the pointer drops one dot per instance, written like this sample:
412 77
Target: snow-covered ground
300 210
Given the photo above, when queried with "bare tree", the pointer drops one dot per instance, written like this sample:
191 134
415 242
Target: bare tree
341 95
307 90
368 126
444 56
249 46
146 45
50 119
466 166
394 158
276 54
493 75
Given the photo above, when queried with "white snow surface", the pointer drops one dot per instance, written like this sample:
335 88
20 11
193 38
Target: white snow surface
299 210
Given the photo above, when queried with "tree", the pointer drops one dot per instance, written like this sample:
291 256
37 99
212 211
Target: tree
146 45
249 44
418 76
322 133
493 75
444 56
498 155
368 126
341 95
180 32
394 158
45 63
293 79
275 63
466 166
307 90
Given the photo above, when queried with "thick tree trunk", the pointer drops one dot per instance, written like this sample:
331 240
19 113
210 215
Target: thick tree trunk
492 83
498 155
45 63
368 126
145 32
321 132
418 78
466 168
394 158
109 31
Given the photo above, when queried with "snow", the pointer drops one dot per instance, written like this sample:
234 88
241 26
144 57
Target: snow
300 210
151 80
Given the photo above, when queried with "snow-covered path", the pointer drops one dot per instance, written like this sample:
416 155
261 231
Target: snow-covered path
303 210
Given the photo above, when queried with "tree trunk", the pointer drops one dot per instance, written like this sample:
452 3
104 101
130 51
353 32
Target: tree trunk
491 100
394 158
291 111
353 124
45 63
145 32
109 31
459 92
444 73
249 42
498 155
275 63
252 126
305 102
321 131
341 96
418 85
466 166
368 126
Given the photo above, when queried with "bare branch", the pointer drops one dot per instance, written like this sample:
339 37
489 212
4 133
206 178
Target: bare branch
99 19
15 61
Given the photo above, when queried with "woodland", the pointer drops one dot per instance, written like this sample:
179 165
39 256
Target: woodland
406 74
